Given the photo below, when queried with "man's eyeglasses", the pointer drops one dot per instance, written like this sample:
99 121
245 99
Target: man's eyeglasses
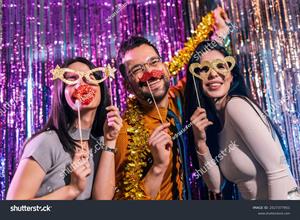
139 69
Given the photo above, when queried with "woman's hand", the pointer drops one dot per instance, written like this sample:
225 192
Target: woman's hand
221 18
113 124
104 183
81 169
199 124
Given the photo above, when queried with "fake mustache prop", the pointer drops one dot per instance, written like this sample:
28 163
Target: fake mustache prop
154 74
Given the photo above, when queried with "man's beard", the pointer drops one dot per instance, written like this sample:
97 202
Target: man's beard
158 97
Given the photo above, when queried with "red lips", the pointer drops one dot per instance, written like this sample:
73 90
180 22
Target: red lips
85 94
156 74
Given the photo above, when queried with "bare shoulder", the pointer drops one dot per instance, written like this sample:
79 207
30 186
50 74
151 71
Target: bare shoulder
240 105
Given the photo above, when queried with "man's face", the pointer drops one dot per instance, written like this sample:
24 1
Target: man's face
134 61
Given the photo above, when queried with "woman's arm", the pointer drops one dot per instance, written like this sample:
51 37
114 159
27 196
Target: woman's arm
261 144
29 176
221 29
208 168
104 185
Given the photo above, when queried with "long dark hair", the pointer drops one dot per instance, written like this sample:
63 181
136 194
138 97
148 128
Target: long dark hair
237 88
62 117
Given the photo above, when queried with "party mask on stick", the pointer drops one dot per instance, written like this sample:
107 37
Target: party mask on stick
156 74
203 69
72 77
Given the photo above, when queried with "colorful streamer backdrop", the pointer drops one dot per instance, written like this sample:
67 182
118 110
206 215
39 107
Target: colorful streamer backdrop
37 34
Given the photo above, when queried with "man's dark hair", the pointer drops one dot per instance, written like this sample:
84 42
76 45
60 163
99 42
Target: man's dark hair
129 44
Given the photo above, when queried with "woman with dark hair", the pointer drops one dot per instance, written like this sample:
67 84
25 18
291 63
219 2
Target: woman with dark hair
233 130
60 161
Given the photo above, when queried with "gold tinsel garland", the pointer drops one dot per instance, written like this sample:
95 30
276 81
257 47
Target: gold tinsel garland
138 153
183 56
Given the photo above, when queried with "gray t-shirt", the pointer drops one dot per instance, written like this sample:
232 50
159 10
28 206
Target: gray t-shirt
47 150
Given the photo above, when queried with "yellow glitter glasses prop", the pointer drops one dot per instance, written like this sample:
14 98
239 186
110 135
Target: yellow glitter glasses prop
202 70
72 77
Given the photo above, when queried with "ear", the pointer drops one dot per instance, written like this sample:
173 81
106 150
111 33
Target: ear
168 71
127 86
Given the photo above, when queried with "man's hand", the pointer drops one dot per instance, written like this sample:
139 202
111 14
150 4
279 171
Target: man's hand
160 146
221 19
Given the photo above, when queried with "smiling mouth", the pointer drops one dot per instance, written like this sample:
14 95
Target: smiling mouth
214 85
154 82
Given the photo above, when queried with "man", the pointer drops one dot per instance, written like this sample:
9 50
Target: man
151 160
163 176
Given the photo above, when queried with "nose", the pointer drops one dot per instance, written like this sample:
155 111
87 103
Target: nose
147 67
213 74
82 81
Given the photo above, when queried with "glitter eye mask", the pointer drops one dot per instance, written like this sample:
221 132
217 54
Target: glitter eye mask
203 69
72 77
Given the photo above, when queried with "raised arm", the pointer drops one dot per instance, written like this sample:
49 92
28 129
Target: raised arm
208 168
105 183
30 174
